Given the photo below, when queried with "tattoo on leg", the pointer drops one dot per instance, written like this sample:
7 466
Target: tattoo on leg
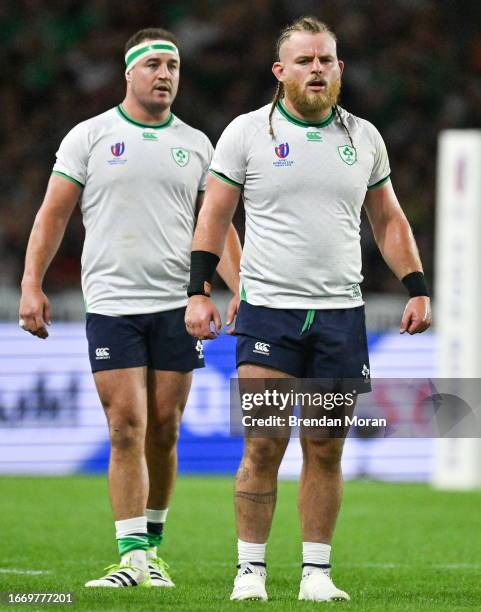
242 474
258 498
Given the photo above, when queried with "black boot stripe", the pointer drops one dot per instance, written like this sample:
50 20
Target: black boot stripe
129 578
119 579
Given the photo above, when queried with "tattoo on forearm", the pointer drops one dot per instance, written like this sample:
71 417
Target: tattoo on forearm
258 498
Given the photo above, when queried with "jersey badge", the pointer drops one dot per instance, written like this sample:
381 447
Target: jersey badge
117 150
348 154
282 152
181 156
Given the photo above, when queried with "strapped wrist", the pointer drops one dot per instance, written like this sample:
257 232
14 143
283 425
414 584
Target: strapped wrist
202 267
416 285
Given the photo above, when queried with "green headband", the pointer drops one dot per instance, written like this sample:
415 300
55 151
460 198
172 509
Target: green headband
135 54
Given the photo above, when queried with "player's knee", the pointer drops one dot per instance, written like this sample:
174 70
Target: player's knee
326 453
126 433
164 434
264 454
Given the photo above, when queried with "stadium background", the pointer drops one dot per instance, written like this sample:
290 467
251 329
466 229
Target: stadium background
413 68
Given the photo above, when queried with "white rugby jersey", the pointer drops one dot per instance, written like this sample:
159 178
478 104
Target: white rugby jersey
140 185
303 193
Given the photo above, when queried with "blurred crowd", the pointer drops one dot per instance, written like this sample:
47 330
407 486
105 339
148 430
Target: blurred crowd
413 68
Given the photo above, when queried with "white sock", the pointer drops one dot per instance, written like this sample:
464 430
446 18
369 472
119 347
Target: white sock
133 528
251 553
156 516
130 526
314 555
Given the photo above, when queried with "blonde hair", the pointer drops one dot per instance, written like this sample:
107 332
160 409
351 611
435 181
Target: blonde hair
313 25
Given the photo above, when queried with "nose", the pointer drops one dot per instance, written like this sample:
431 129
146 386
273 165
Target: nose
163 71
316 65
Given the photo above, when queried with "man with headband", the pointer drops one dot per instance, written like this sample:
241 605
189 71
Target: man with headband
139 173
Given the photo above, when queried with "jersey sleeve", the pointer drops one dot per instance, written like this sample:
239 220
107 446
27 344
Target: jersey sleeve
230 156
206 160
381 170
72 156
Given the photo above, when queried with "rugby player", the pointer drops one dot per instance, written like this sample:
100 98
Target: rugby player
305 167
139 173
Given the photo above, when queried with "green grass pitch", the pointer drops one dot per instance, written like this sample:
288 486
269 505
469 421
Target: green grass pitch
397 547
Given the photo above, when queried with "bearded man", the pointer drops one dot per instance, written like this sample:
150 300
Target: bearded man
305 167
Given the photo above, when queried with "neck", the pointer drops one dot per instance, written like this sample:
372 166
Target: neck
315 116
141 114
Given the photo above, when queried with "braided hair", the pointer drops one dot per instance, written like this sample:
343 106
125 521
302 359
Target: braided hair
314 26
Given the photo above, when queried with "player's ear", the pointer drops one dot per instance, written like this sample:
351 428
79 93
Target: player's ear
128 77
341 65
278 70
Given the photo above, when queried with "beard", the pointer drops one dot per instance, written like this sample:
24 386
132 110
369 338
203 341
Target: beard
308 103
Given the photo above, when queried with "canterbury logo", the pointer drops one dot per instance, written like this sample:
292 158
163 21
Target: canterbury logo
200 349
102 353
262 347
365 372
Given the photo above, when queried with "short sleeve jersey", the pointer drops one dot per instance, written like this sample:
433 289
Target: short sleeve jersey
303 192
140 185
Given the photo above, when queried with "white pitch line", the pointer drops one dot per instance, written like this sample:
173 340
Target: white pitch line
441 566
11 570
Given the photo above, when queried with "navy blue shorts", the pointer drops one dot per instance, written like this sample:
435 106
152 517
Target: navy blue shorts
329 344
158 341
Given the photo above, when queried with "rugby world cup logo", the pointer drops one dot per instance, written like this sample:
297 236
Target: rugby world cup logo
117 149
282 150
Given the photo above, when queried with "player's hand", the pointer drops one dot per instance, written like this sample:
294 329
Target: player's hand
417 315
232 313
199 315
34 312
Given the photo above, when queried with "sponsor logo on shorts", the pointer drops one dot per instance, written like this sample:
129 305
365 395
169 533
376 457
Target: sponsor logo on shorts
102 353
365 372
262 348
200 349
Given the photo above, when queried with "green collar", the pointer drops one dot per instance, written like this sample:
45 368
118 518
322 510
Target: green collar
297 121
154 126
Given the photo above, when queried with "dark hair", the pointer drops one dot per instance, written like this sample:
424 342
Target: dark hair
150 34
312 25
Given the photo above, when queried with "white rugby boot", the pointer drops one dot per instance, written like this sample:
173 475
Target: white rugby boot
316 585
159 576
131 571
250 583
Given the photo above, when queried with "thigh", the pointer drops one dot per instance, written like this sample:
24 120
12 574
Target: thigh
115 342
123 394
167 395
170 347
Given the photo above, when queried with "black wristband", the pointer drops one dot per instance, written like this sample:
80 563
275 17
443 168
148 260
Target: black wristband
202 268
415 283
